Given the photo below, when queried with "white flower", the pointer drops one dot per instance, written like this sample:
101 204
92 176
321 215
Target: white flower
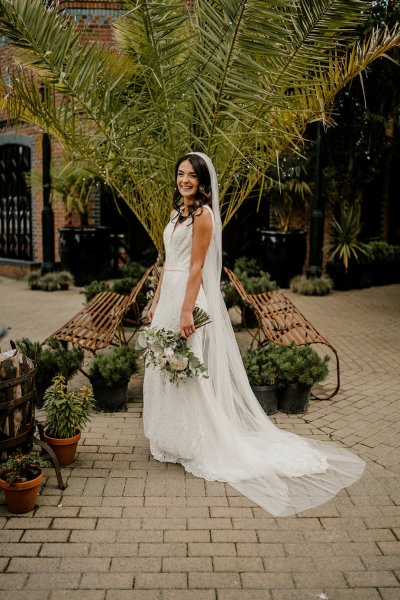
141 341
178 363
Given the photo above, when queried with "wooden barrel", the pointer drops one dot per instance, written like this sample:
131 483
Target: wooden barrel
17 399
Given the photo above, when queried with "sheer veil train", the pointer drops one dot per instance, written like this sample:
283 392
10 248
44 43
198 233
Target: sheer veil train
280 471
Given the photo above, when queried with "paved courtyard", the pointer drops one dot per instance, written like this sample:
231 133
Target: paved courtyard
129 528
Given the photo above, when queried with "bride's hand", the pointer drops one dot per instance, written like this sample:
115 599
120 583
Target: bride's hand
187 324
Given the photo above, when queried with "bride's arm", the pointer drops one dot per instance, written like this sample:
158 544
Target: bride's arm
202 231
151 311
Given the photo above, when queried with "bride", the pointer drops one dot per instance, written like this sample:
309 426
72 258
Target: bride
215 427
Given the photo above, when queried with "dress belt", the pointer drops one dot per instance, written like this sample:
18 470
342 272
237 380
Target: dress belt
182 270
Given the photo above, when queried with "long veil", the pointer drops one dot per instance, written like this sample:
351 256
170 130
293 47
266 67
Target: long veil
280 471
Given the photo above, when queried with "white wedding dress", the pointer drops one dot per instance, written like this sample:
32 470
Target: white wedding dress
215 428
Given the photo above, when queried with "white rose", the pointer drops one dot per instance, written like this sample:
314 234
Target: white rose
178 364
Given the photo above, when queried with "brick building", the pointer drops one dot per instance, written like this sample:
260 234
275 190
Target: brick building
21 152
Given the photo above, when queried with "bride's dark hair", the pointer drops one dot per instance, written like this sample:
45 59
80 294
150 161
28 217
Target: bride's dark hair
203 194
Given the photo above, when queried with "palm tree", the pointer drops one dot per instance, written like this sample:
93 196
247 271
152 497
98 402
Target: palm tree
238 79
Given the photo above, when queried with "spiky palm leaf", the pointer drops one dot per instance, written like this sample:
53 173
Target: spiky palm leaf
238 79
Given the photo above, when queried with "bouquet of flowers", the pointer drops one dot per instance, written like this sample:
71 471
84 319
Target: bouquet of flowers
170 353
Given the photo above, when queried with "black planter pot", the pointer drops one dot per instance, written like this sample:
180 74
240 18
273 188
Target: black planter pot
110 399
282 253
357 276
294 398
267 395
85 252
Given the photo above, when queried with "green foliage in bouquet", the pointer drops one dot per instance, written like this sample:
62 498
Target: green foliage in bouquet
67 412
169 352
115 368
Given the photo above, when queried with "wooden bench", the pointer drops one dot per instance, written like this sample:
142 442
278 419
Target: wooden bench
100 322
279 321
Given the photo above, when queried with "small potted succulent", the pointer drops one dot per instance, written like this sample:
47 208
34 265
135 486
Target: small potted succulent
300 367
67 413
109 375
20 478
262 372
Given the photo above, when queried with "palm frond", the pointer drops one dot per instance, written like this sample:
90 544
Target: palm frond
239 79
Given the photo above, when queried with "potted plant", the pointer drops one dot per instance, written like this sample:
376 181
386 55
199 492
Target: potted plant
254 280
85 250
67 412
346 250
311 286
109 375
49 282
64 280
34 280
262 372
282 248
20 478
299 368
50 360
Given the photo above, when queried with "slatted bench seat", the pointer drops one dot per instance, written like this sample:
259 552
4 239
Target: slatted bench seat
279 321
99 323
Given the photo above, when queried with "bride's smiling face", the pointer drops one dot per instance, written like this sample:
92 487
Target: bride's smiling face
187 181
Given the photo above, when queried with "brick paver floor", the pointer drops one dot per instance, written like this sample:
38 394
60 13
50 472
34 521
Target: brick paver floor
129 528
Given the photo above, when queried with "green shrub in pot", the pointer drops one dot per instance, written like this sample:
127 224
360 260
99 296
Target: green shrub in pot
51 359
262 371
20 478
109 374
300 367
67 413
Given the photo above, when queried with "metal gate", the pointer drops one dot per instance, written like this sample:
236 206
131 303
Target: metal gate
15 203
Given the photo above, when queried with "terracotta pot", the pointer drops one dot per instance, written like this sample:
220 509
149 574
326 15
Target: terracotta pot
21 497
64 448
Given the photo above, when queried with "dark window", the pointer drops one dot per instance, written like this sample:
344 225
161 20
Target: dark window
15 203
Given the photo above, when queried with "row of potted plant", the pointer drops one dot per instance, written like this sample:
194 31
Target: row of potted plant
66 412
51 281
282 376
108 372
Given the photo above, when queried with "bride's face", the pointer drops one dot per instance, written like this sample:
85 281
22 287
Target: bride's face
187 181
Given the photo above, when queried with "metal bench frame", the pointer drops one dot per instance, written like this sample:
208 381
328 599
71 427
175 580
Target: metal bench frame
279 321
100 322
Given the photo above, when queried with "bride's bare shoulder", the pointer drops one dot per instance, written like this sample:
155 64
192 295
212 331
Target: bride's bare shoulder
203 220
203 214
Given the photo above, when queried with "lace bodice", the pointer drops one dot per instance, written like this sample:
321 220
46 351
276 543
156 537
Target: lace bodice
178 244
